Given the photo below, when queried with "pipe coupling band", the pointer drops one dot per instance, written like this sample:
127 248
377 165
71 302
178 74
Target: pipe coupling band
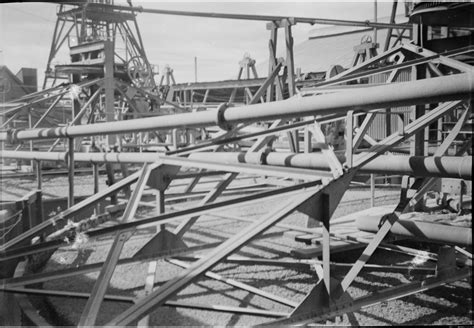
220 117
264 154
12 136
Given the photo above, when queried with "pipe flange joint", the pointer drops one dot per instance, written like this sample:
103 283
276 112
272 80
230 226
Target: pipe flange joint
220 117
264 154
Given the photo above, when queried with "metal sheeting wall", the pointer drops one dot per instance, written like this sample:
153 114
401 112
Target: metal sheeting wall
378 129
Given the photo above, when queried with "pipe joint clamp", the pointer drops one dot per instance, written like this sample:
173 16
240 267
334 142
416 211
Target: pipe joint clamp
12 136
220 117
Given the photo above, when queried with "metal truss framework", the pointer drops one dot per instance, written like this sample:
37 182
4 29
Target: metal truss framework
82 24
315 191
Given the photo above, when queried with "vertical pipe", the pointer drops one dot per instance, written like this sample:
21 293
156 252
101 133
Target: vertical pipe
95 173
109 87
70 200
290 65
375 20
160 202
307 140
38 175
390 30
440 130
195 69
326 215
174 138
418 144
30 125
139 141
150 278
461 198
2 143
272 60
372 190
349 137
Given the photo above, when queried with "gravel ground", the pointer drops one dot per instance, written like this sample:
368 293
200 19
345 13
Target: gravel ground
449 304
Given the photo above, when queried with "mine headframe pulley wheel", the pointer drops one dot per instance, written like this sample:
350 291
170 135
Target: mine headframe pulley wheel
139 71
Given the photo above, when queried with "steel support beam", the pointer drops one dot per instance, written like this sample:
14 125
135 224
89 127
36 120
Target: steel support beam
92 308
169 289
71 165
240 285
69 212
210 197
130 299
164 218
391 293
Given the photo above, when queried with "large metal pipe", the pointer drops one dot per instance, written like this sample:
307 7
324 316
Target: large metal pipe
436 232
421 166
446 166
434 90
267 18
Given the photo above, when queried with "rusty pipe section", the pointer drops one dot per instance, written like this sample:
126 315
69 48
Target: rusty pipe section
429 166
433 90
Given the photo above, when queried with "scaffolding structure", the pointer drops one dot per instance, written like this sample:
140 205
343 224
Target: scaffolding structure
118 109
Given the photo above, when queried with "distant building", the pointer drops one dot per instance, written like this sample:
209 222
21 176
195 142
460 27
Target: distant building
15 86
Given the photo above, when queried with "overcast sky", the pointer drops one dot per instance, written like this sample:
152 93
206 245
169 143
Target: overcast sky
26 32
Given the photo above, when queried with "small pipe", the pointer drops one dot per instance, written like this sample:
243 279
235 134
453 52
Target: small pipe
95 173
372 190
70 200
39 178
375 20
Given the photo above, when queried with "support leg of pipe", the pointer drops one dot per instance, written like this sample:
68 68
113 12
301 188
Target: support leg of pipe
95 174
372 190
325 201
30 124
349 138
160 205
70 201
111 180
164 239
39 178
152 266
369 250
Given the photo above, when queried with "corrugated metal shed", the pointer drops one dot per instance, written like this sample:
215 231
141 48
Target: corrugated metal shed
378 128
334 45
330 46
